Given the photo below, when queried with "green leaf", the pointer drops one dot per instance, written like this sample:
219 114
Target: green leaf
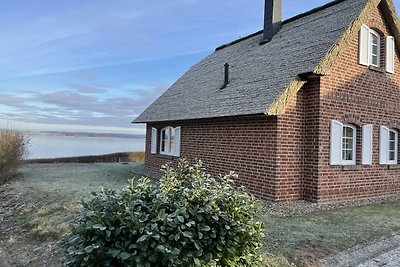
142 238
124 256
180 219
187 234
88 249
197 262
205 228
99 226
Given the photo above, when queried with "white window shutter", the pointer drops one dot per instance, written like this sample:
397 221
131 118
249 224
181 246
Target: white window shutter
384 145
336 143
367 135
390 54
177 151
153 140
364 45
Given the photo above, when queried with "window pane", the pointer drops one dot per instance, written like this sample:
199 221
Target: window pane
349 132
374 39
172 140
392 145
375 50
350 144
163 139
374 59
392 136
392 155
349 155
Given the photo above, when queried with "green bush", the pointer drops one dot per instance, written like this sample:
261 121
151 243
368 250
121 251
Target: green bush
190 219
13 149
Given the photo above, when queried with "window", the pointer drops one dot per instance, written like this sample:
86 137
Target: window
375 45
343 144
393 146
170 141
388 146
370 47
349 145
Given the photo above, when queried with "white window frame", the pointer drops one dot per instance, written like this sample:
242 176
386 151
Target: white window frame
172 146
396 145
167 149
336 144
353 161
370 45
366 45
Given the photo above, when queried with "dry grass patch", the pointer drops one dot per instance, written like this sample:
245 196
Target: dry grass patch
13 149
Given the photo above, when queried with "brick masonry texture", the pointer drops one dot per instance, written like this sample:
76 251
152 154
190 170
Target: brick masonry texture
245 145
286 158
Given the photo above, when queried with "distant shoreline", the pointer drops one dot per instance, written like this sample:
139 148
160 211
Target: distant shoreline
105 158
86 135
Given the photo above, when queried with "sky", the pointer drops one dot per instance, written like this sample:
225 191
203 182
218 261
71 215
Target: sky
95 65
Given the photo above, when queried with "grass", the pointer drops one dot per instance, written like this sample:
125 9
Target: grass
46 197
54 192
309 237
36 210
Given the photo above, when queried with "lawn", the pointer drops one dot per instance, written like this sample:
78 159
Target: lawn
303 239
35 211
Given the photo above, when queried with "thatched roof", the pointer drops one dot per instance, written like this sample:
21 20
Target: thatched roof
263 78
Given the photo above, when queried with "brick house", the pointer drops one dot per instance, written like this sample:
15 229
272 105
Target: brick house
307 108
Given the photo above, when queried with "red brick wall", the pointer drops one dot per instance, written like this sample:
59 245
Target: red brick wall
245 145
354 94
287 158
297 146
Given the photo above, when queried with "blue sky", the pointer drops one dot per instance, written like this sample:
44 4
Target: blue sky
95 65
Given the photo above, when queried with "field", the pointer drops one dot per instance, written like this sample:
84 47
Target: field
35 211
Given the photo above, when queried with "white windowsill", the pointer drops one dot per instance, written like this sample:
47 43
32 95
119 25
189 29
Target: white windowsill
167 154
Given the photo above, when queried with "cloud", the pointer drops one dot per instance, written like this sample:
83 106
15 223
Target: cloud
78 107
87 89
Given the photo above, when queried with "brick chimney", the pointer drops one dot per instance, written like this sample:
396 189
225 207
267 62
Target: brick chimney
272 19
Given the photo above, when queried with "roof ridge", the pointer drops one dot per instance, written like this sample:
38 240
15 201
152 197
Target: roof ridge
298 16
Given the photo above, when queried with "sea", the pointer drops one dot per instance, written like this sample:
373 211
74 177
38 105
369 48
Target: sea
43 146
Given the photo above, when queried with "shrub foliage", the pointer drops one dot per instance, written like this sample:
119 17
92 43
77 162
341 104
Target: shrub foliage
190 219
13 149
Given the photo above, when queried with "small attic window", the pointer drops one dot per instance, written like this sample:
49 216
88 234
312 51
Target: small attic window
370 47
375 47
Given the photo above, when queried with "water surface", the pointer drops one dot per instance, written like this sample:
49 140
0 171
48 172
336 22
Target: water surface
69 146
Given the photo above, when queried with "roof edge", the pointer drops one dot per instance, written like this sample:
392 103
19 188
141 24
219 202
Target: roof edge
278 107
204 118
299 16
343 42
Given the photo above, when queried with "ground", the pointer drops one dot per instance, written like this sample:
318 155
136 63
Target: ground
307 238
35 211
